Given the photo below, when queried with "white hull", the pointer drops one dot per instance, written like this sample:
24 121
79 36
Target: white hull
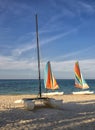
28 104
54 103
83 92
19 101
52 93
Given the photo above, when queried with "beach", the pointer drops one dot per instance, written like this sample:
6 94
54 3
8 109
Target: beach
78 112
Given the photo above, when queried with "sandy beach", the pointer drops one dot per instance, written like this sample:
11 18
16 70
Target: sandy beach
78 112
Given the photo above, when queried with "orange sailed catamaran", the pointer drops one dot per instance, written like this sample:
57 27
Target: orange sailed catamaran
50 81
80 81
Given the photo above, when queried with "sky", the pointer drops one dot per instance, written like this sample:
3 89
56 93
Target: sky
66 34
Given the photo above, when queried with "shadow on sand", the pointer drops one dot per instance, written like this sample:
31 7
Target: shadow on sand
73 116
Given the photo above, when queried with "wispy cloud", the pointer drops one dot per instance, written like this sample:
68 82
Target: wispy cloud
76 55
66 69
19 51
87 7
25 44
61 69
32 45
10 63
59 20
58 36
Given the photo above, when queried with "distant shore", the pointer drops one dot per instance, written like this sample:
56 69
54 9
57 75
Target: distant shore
78 113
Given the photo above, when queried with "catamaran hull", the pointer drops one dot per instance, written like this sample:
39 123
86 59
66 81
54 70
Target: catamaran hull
52 93
29 104
54 103
83 92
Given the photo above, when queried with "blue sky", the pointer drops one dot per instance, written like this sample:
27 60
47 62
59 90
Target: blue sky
66 34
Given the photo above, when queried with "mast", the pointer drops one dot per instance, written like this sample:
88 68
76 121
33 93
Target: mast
38 56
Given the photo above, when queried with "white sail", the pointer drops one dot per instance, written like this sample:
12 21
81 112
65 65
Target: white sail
84 84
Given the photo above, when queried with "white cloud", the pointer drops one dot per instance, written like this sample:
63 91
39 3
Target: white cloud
19 51
88 8
24 43
61 35
31 45
66 69
60 69
10 63
80 54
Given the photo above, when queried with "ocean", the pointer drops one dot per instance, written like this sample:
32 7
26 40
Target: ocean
30 86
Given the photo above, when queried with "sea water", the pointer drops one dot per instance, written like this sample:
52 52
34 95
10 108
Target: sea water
31 86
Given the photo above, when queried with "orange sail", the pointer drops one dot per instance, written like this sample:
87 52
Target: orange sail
49 80
79 81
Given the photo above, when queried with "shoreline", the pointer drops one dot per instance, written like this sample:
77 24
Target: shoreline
78 113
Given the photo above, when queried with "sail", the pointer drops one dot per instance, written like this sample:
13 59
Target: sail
79 81
85 85
49 79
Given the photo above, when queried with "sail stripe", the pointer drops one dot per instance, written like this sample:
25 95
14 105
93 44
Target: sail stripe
49 80
78 79
81 83
45 74
77 73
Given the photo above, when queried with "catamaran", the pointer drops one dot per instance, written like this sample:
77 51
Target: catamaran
50 82
80 81
29 103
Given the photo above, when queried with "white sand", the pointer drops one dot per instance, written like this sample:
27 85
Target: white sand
78 113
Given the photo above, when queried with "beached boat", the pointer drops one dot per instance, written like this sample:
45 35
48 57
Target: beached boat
83 92
80 81
50 82
53 93
29 103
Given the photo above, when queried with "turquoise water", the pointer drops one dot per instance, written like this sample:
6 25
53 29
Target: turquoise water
22 86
